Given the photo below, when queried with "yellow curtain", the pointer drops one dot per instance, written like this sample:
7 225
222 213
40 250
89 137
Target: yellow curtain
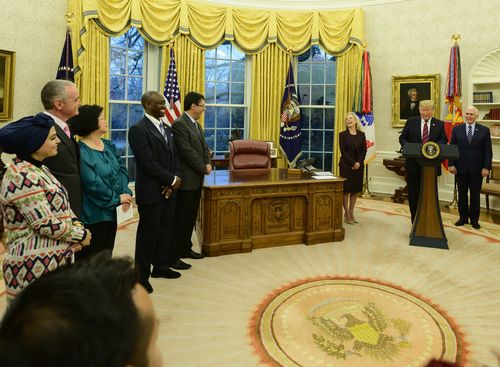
209 24
269 70
348 78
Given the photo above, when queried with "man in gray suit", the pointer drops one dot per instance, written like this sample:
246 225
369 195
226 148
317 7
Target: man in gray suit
61 100
195 164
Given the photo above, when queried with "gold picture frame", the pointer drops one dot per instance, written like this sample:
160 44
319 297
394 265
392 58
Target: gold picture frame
7 63
425 86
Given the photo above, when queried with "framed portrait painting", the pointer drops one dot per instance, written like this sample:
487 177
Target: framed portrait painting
408 91
7 60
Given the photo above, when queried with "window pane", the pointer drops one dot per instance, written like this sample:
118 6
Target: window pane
238 71
222 140
117 64
316 118
135 63
304 74
328 141
118 116
131 168
210 117
327 162
318 160
329 118
210 70
304 94
237 54
238 118
318 73
304 115
224 51
237 93
209 92
136 42
136 113
331 72
330 95
134 89
210 138
119 139
223 71
316 140
222 93
317 95
210 54
222 117
119 41
117 88
305 141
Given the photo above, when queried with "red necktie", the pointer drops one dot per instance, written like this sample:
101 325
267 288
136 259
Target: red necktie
425 133
66 131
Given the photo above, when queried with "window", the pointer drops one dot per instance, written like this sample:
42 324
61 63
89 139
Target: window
224 96
316 80
126 89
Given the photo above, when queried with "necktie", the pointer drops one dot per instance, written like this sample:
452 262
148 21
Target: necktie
469 133
425 133
163 131
66 131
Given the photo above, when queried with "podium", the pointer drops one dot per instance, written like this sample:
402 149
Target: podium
427 229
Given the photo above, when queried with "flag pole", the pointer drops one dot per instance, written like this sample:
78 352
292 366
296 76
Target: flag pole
366 194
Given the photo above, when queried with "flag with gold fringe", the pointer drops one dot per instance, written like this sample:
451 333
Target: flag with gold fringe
290 135
171 92
66 70
364 107
453 93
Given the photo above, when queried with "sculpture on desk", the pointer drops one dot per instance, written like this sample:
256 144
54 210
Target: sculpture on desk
307 165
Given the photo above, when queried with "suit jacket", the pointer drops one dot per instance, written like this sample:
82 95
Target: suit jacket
65 166
352 149
412 134
193 152
474 156
407 112
155 160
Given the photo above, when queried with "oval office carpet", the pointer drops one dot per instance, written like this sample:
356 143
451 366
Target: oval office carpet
370 300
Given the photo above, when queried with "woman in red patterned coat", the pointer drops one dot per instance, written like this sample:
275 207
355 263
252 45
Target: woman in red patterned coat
41 231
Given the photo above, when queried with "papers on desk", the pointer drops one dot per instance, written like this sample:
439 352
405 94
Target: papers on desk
321 175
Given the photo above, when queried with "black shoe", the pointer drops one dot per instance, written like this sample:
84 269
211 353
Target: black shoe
167 273
193 255
147 286
180 265
461 222
476 225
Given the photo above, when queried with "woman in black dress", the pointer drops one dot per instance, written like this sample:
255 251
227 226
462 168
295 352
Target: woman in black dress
352 156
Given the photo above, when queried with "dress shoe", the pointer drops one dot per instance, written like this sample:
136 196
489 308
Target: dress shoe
476 225
147 286
461 222
165 273
180 265
193 255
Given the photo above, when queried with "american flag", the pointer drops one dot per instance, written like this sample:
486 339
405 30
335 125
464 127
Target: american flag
172 92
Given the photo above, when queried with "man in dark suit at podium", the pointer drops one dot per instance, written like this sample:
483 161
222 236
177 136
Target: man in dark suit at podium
474 146
420 130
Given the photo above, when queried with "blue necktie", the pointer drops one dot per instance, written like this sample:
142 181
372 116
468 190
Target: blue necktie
469 133
163 131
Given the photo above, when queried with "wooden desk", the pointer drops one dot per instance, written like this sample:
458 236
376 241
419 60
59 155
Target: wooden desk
397 165
241 211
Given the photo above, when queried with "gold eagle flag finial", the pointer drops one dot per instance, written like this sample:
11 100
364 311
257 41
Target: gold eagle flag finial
456 37
69 17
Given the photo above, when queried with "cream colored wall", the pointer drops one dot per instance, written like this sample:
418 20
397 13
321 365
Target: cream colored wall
35 30
415 38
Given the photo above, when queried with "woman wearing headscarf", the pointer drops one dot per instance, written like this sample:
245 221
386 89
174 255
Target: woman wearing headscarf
104 179
41 229
352 144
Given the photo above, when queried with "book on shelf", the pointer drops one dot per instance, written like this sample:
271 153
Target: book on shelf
482 97
494 114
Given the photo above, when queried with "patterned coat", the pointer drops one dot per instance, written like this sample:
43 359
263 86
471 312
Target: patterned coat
39 224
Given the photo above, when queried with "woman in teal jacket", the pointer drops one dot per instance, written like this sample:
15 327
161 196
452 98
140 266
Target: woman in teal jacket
104 179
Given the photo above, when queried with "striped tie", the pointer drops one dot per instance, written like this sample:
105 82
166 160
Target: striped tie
469 133
425 133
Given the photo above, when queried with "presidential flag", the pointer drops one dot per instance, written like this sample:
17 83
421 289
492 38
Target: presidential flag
290 135
66 70
171 92
364 108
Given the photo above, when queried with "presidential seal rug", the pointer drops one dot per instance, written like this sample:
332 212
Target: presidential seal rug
336 321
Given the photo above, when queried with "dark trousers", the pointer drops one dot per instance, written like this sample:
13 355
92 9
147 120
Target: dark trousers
153 244
469 183
185 219
413 181
103 238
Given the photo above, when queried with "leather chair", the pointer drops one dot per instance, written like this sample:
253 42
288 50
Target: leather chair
249 154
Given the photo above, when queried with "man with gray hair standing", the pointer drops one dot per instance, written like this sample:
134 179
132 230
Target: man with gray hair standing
61 100
474 145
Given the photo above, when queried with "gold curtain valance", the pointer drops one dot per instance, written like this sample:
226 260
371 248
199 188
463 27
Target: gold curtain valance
209 24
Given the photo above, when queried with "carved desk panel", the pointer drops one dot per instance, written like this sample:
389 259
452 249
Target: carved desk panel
241 211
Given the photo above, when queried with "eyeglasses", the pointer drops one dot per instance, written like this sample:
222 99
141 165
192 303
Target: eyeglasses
200 105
